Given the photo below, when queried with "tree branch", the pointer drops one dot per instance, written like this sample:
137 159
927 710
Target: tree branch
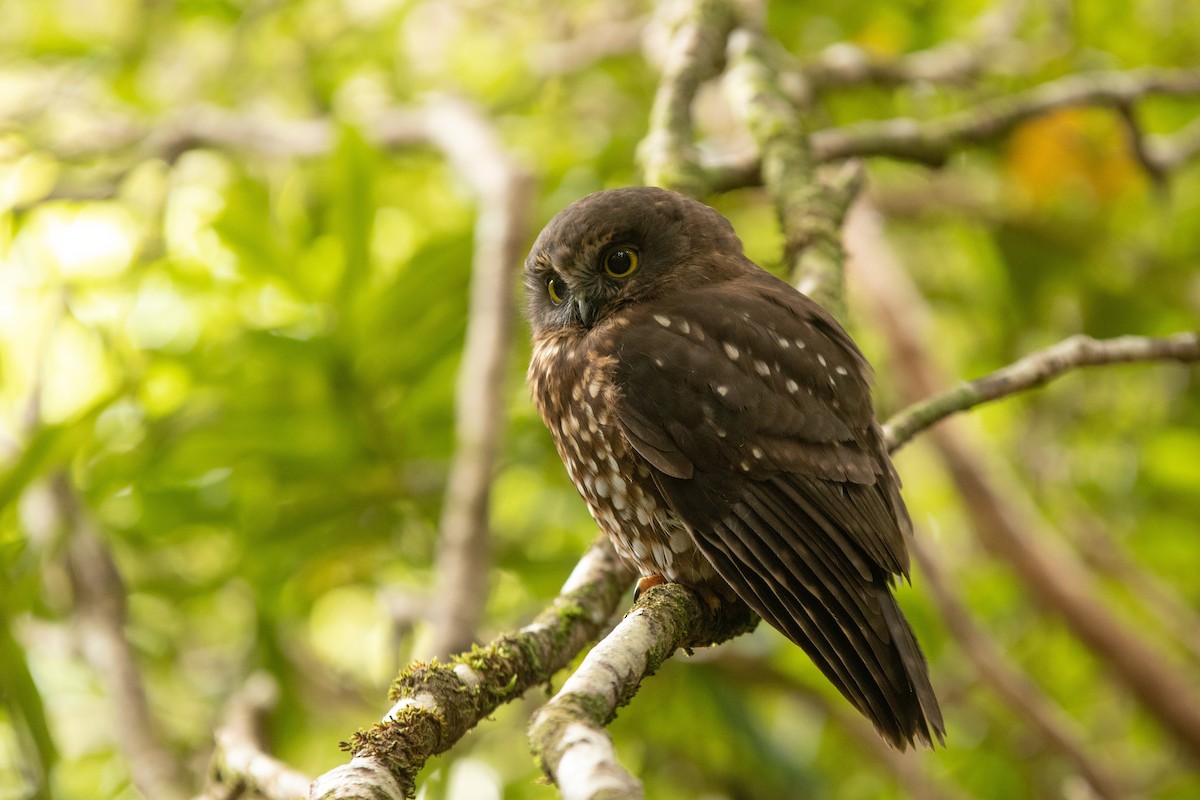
932 141
567 734
436 703
1169 152
505 192
811 207
240 764
994 41
1037 369
695 53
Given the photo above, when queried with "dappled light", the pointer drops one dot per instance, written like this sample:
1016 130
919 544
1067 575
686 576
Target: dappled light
267 447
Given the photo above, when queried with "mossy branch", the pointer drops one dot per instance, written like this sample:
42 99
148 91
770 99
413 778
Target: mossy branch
695 54
811 205
437 703
567 734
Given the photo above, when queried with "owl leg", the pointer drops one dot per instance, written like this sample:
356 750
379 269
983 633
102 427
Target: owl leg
647 582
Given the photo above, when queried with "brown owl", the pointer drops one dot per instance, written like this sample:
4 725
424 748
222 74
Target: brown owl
719 425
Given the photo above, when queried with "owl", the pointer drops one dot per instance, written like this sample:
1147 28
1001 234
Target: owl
718 424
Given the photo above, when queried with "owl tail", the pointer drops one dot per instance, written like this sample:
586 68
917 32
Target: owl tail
920 717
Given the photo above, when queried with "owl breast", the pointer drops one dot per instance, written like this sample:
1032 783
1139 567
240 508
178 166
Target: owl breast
572 384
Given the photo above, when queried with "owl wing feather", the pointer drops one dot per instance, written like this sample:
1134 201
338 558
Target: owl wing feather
753 406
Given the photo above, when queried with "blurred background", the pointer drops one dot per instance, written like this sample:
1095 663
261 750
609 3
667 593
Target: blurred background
232 315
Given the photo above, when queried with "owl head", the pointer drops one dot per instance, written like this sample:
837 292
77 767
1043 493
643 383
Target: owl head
614 248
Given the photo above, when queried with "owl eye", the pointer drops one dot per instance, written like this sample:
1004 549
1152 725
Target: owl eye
621 263
556 287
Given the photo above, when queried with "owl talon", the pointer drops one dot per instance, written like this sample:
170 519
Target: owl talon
647 582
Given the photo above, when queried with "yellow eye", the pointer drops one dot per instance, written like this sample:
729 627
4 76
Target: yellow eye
556 288
621 263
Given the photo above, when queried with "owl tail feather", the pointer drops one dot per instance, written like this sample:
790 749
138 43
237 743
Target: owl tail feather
924 723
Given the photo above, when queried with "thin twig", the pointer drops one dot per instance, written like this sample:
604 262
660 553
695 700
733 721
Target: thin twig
1037 369
505 192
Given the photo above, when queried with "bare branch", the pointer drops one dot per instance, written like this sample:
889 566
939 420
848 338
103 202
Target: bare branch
505 199
567 734
994 42
240 763
604 39
1169 152
1019 693
932 141
1037 369
436 704
99 612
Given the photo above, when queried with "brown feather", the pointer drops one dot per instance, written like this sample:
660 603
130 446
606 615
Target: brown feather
719 425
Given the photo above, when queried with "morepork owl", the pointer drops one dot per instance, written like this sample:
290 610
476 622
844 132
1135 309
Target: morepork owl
719 425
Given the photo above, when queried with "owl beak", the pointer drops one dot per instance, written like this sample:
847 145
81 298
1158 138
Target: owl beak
586 311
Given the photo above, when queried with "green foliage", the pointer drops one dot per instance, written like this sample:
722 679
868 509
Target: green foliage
244 363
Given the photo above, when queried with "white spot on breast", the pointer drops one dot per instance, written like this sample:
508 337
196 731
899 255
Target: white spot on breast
658 362
799 344
784 343
680 540
661 320
722 390
683 326
594 388
792 386
821 359
841 371
762 368
756 452
731 351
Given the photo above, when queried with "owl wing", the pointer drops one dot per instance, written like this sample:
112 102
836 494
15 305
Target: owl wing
753 406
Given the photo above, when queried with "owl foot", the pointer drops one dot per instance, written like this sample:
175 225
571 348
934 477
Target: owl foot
647 582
